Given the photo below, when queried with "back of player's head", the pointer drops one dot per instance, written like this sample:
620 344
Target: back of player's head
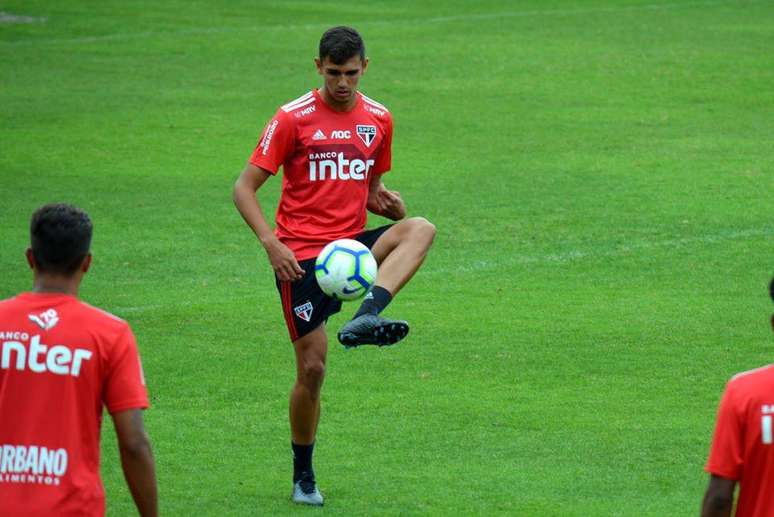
340 44
60 237
771 289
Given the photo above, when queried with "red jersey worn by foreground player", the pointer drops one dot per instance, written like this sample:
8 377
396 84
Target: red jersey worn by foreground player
61 361
743 446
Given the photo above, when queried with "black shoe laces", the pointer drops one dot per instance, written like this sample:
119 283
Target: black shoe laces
307 485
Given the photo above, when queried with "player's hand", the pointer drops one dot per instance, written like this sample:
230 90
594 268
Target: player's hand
387 203
283 261
391 204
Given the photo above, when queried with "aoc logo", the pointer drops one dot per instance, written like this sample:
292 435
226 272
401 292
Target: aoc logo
32 464
332 165
341 134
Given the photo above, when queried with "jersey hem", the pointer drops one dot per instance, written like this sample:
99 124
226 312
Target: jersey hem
132 404
264 167
709 469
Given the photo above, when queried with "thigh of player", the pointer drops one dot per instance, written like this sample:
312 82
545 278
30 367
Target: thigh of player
304 305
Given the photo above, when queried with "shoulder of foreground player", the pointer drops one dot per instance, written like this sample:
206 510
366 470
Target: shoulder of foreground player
750 379
102 318
7 302
300 105
375 108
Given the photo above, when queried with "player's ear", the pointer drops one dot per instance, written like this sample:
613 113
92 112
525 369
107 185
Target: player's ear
30 258
86 264
318 64
365 65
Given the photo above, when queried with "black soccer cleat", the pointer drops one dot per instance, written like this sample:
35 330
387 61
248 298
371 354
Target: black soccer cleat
371 329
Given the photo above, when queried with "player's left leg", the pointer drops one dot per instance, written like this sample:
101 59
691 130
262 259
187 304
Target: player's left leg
399 251
306 308
311 350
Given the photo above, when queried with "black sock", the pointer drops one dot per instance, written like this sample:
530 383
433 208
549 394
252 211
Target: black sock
375 301
302 461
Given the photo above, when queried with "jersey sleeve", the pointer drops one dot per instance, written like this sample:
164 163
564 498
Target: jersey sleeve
275 144
125 383
383 161
725 459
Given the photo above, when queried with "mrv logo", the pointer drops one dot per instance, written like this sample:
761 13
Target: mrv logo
32 464
333 165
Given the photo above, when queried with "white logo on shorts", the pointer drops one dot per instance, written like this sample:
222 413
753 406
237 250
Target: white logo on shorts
304 311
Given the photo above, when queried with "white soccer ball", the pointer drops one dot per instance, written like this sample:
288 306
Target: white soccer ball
345 269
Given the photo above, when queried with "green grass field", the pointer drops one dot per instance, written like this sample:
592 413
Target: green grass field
601 174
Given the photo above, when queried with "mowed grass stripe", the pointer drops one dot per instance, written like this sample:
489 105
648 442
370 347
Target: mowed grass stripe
317 27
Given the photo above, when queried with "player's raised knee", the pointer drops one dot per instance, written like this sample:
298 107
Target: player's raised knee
422 229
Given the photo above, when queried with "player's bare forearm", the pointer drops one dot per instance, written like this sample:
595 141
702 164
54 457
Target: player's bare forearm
137 461
281 258
248 183
140 474
719 497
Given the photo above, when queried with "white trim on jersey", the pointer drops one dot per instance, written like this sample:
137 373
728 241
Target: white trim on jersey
374 103
300 105
290 106
748 372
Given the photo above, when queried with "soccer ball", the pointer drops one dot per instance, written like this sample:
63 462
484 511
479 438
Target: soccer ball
345 269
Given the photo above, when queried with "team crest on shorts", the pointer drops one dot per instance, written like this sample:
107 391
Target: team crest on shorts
45 320
304 311
366 134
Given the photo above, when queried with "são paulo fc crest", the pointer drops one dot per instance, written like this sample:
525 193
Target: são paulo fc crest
366 134
45 320
304 311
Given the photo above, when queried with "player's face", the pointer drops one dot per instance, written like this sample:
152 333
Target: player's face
341 80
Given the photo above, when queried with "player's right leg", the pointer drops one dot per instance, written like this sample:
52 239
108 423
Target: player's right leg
306 308
311 351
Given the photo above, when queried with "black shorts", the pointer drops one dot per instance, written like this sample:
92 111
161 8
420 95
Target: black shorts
305 306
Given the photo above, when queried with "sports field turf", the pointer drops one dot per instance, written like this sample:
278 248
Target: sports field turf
601 174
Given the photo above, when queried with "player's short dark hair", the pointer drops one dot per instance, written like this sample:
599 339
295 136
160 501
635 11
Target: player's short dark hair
340 44
771 289
60 237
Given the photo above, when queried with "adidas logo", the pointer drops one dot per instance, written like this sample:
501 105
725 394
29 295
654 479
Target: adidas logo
319 135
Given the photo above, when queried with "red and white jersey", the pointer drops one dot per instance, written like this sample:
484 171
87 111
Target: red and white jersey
743 444
328 158
61 360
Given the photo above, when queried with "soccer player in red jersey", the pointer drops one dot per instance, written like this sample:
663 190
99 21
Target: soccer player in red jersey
334 145
61 361
743 446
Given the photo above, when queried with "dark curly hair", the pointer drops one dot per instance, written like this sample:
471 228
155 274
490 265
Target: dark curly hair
60 237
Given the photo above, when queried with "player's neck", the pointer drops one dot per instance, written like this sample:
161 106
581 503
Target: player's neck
47 283
334 104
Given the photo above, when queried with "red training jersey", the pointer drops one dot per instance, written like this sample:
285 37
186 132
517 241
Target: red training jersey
328 158
61 360
743 444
